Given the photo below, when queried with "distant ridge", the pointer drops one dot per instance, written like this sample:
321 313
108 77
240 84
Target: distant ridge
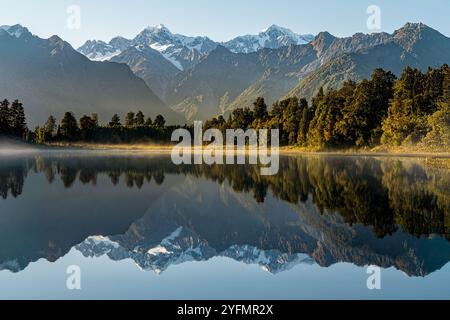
50 77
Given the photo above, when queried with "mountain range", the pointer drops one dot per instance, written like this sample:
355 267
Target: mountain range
215 78
50 77
186 78
184 51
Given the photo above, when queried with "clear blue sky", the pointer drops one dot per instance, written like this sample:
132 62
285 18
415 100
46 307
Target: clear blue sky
219 19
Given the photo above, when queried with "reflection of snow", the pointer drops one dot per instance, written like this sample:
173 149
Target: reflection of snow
158 250
103 240
183 246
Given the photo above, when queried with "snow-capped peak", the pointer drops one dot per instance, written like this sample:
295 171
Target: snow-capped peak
184 245
182 51
277 31
272 37
98 50
15 30
185 51
274 27
158 28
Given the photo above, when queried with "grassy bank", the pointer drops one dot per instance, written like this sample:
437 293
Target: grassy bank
378 151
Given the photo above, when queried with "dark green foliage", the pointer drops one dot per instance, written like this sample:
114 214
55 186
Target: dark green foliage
89 130
115 121
69 126
4 118
365 109
382 109
307 115
148 122
87 127
286 116
12 120
50 126
17 121
140 119
260 109
417 96
159 122
217 123
357 115
130 120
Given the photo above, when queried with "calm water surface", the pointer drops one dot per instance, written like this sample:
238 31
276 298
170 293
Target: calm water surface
140 227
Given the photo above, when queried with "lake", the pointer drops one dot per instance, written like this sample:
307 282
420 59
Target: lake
136 226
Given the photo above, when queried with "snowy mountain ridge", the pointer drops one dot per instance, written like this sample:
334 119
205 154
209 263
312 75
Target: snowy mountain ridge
272 37
182 246
186 51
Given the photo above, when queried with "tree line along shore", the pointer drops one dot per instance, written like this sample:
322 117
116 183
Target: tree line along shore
383 113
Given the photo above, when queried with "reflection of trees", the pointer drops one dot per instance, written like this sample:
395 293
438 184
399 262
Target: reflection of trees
383 194
12 177
352 188
419 198
68 174
88 175
378 193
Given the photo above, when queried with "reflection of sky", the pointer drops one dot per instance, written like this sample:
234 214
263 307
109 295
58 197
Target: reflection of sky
219 278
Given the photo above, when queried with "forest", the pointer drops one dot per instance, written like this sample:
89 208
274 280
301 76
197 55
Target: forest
412 110
384 110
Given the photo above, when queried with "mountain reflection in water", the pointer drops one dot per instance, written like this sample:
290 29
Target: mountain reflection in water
388 212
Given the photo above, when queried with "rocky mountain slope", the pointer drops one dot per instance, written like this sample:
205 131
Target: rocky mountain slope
216 86
182 51
414 45
50 77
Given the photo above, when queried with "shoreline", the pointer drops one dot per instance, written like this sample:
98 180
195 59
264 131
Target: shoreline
142 148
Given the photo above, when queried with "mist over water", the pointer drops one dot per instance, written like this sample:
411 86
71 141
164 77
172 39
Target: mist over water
13 147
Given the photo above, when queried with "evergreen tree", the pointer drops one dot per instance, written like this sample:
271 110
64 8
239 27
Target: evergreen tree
302 138
237 119
4 118
130 120
115 121
260 109
69 126
17 119
87 127
159 122
293 118
248 117
365 107
323 131
140 119
148 122
87 123
50 126
318 98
